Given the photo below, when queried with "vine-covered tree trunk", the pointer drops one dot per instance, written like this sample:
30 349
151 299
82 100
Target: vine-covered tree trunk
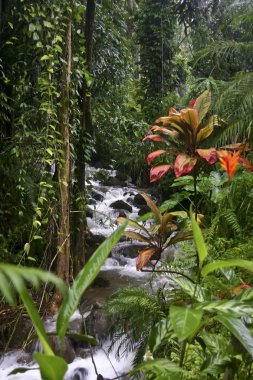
64 169
86 130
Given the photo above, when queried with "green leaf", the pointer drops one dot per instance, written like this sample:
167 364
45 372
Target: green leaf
51 367
225 264
199 240
239 330
232 307
160 332
185 321
158 366
193 290
34 315
155 210
84 279
20 370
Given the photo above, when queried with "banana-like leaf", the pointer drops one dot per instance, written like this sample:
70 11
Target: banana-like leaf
239 330
202 104
246 264
84 279
185 321
199 240
136 236
155 210
51 368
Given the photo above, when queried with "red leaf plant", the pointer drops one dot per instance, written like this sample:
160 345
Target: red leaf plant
184 131
164 231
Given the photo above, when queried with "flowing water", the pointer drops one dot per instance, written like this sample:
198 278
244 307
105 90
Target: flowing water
118 272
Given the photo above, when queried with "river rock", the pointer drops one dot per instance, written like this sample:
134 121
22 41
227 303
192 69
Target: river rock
96 323
89 212
97 196
139 201
62 348
93 242
144 210
79 374
121 205
127 250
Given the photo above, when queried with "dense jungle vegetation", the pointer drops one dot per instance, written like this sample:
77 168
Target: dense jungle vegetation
129 85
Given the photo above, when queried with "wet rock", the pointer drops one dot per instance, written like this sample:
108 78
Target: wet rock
91 201
93 242
79 374
139 201
76 326
100 282
128 250
143 210
89 212
121 205
25 358
62 348
121 176
97 196
96 323
83 352
122 215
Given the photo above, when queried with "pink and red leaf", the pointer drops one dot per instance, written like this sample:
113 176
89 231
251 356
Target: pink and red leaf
184 164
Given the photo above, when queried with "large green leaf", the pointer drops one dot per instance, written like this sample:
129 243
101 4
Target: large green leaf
17 274
84 279
193 290
51 367
160 332
199 240
185 321
225 264
231 307
33 314
239 330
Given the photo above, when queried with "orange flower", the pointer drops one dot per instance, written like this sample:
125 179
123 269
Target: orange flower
229 162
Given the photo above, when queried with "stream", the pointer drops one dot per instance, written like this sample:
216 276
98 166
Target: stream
117 272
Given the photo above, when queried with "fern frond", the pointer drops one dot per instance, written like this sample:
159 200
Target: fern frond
220 51
231 219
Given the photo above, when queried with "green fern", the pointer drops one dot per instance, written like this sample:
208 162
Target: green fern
133 312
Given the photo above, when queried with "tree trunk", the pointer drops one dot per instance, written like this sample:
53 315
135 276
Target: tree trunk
64 169
86 131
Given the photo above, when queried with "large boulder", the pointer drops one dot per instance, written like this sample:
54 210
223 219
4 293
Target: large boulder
121 205
144 210
62 348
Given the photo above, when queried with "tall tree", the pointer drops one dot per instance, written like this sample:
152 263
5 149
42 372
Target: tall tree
86 131
65 166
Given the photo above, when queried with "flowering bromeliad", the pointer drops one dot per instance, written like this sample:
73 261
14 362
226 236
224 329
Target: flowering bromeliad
185 132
